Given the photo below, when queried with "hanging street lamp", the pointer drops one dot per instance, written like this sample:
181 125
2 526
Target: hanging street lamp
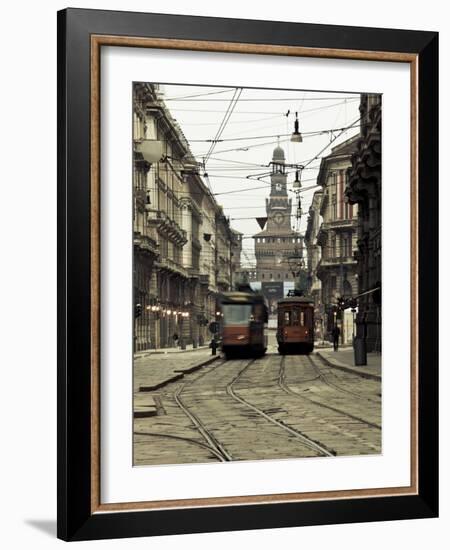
297 183
296 135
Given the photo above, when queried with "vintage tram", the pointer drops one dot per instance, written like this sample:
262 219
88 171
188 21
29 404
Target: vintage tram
243 323
295 330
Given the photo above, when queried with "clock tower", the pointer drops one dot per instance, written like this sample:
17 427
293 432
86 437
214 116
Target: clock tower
278 240
278 205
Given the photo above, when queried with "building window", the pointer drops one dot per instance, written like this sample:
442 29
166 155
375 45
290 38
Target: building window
333 207
346 246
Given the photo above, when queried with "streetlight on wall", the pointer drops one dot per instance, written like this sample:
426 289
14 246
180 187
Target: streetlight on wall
151 149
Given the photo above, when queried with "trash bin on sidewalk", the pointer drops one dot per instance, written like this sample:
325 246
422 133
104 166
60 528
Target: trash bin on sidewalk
359 348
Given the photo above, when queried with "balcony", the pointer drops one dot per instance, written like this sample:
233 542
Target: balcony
335 261
145 244
167 226
167 264
339 224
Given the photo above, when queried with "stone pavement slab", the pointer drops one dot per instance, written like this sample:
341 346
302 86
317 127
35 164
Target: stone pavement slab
154 371
144 406
343 359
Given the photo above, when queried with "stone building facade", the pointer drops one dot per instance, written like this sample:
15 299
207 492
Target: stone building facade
364 189
337 238
313 253
175 228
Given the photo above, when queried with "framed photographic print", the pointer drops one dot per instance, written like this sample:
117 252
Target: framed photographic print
247 274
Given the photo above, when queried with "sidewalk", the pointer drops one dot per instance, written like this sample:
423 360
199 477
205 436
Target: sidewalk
154 370
145 353
344 360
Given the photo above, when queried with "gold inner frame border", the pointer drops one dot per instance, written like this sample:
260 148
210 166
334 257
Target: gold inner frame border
97 41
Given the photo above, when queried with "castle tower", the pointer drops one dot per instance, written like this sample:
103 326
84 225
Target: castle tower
278 240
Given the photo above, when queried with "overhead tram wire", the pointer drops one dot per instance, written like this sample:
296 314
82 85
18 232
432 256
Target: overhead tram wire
243 138
221 129
323 107
230 89
268 99
254 145
226 118
255 177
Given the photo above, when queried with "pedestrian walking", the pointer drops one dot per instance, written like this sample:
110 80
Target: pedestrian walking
175 339
336 332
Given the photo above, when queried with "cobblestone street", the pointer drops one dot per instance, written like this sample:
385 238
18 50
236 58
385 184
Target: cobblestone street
249 409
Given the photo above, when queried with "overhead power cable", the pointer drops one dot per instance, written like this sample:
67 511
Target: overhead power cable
199 95
226 118
323 107
274 99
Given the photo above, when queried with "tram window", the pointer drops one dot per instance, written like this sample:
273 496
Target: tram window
295 317
287 318
302 318
236 314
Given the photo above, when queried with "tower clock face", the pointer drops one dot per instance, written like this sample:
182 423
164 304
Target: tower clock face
278 218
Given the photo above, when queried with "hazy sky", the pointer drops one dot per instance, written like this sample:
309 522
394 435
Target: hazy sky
250 134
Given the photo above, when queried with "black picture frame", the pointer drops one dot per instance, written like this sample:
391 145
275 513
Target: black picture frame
76 520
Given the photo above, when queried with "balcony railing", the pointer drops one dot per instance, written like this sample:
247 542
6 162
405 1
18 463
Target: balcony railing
145 243
339 224
335 261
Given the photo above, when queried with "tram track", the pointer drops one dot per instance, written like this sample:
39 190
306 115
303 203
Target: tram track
326 380
237 412
184 440
284 386
310 443
212 443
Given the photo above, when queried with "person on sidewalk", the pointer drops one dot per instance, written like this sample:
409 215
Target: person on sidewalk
336 332
175 340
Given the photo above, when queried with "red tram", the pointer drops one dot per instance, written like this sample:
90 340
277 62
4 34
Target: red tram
295 331
243 322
